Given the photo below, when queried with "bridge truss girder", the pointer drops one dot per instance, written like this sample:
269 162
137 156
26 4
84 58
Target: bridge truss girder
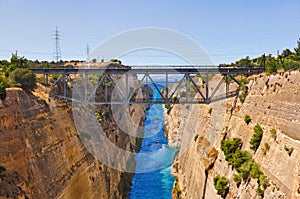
125 94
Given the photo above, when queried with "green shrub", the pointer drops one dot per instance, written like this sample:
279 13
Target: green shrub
243 90
263 181
245 169
169 108
237 177
291 65
273 133
247 119
243 163
260 192
241 160
24 78
256 138
55 76
243 94
3 85
2 91
210 111
266 148
221 185
271 66
229 147
240 157
289 150
255 171
4 80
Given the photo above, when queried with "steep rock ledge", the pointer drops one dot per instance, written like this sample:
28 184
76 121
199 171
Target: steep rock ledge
44 157
273 102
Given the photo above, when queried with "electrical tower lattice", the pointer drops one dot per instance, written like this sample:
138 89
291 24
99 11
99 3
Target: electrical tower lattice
57 52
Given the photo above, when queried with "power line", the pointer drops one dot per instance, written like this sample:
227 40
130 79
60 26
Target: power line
57 52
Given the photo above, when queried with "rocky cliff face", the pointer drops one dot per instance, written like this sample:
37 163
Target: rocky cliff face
41 154
274 103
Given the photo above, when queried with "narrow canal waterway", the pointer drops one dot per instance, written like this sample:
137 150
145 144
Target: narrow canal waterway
158 182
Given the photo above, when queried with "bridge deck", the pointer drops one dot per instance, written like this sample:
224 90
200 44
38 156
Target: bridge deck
150 70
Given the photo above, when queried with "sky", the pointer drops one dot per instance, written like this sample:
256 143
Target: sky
226 30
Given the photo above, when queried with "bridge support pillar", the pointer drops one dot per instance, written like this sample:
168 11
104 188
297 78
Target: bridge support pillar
65 85
206 88
227 85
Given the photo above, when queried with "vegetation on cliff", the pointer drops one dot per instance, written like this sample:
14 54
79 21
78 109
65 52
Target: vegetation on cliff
221 185
247 119
243 163
3 85
286 60
256 138
243 89
24 79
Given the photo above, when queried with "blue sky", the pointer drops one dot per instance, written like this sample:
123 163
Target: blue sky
227 30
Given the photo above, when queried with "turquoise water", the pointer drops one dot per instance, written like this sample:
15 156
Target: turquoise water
154 157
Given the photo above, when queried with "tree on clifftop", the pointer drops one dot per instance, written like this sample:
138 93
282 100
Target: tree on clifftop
297 49
3 85
23 78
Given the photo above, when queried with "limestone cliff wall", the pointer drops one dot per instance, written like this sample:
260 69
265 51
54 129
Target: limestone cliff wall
273 102
43 156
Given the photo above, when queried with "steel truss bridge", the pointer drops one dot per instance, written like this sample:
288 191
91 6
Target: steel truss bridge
125 84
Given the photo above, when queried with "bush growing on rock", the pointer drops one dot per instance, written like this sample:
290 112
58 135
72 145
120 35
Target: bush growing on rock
229 147
247 119
255 171
273 133
260 192
221 185
245 168
256 138
263 181
240 157
289 150
237 178
266 148
243 90
243 163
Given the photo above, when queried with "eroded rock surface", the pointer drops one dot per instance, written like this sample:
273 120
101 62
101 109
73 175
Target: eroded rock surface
44 157
273 102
